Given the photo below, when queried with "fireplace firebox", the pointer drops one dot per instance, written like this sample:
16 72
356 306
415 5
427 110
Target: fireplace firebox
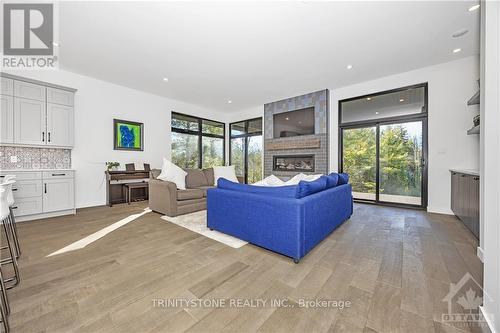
293 163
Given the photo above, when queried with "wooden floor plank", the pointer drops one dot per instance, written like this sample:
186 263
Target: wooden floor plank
393 265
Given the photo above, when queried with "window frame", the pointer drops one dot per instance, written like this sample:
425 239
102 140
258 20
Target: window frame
245 136
377 122
199 133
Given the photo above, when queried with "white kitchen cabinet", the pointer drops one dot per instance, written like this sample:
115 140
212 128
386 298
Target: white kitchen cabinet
60 125
59 96
40 194
6 119
34 113
7 86
29 122
27 188
27 206
58 194
29 90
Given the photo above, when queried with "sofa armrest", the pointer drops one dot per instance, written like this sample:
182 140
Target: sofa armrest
163 197
324 212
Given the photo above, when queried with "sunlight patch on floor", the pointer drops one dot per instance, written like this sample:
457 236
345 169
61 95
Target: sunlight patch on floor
99 234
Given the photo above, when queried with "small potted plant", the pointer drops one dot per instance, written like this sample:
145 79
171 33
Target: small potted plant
112 166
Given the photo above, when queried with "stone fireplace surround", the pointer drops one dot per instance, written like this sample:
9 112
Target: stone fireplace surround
304 145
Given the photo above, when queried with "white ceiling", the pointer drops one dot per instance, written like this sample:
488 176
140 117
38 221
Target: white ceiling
254 53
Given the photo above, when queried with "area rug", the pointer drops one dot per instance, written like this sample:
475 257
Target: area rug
197 222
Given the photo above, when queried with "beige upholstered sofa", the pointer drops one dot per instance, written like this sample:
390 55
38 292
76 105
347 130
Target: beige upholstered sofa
165 198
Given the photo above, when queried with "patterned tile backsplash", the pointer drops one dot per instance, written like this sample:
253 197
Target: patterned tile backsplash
35 158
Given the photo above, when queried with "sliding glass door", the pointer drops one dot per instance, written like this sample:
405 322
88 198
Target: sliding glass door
246 148
383 146
360 156
400 170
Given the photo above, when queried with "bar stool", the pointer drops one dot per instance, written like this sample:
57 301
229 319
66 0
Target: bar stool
4 305
10 179
9 234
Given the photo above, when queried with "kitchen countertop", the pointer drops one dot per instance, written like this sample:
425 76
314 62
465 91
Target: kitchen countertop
472 172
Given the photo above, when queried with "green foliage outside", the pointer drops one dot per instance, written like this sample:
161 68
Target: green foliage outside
185 146
254 157
400 156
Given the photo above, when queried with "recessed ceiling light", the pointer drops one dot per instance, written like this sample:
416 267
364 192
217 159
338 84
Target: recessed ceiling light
377 112
229 101
349 67
402 100
368 98
287 118
459 33
300 122
473 8
457 50
165 79
55 44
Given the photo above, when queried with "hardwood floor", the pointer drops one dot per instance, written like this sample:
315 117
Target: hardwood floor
394 266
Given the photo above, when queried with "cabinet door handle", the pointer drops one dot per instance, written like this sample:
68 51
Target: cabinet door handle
58 174
14 189
476 178
463 175
43 136
45 187
14 207
49 136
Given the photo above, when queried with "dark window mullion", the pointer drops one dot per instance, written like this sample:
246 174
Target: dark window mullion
199 133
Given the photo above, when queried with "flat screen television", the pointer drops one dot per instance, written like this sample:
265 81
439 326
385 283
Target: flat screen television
294 123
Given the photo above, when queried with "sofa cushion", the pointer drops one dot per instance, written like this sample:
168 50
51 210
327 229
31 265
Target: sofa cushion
343 178
195 178
277 191
332 180
305 188
189 194
209 174
205 189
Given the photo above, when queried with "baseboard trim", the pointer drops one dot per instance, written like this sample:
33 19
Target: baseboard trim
28 218
488 320
439 210
480 254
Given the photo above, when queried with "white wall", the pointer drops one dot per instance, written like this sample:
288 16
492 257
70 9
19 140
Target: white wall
490 161
96 104
450 85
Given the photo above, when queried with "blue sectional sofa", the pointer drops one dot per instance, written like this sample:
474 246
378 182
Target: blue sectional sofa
290 220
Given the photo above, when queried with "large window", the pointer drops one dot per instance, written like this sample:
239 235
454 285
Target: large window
246 149
383 145
197 142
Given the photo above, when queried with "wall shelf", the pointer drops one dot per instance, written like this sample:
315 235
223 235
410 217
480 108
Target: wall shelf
474 100
473 130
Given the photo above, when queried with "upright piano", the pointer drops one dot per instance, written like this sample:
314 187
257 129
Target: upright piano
115 185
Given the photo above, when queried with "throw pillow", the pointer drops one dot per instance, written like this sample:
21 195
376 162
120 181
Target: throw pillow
271 180
343 178
306 188
299 177
172 173
227 172
332 180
